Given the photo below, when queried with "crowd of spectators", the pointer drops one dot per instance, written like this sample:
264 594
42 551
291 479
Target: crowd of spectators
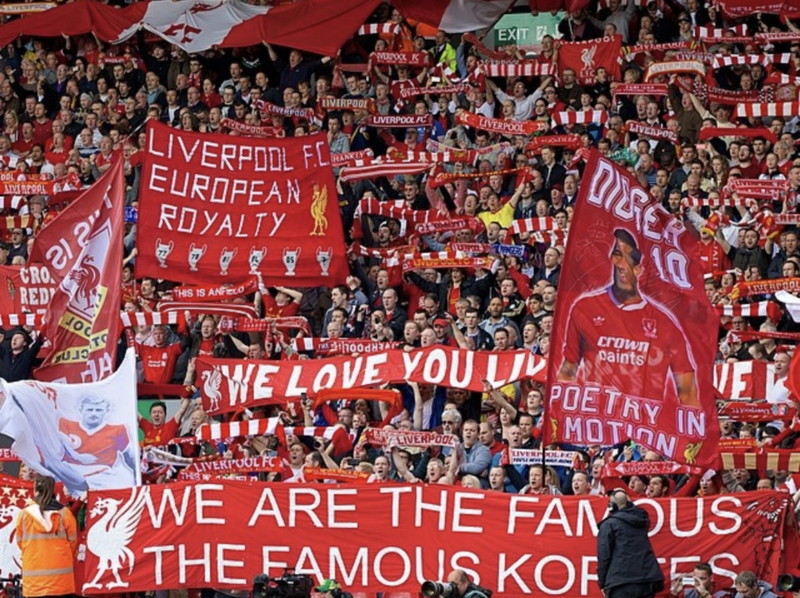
70 106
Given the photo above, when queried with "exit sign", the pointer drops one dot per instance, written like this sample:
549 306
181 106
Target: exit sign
523 29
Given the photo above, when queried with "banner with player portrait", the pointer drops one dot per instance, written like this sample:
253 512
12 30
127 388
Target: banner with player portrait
634 337
218 209
74 432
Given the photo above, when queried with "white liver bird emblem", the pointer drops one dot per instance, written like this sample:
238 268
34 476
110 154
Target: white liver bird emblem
110 535
211 382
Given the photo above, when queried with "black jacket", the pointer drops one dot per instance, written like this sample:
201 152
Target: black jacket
624 553
14 368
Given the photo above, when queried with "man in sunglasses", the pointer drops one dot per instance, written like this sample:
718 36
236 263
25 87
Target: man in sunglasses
626 564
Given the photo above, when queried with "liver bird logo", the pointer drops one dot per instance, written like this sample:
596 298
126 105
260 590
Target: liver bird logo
212 379
319 204
109 537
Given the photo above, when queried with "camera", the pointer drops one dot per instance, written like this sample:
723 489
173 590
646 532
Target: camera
439 588
789 583
288 585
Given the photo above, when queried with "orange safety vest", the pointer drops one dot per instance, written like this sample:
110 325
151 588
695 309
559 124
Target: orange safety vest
48 540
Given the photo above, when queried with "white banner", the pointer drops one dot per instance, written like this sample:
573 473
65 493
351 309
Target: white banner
84 435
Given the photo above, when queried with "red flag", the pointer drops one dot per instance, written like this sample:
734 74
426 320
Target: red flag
586 57
793 379
235 207
80 253
634 337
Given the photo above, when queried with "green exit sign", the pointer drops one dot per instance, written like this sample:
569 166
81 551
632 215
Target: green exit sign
523 29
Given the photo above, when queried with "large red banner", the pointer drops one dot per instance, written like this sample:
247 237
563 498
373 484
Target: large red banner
634 336
393 537
74 275
746 380
229 384
217 208
586 57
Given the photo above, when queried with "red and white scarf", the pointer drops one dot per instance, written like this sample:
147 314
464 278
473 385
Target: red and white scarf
218 292
353 104
249 130
402 121
410 92
584 117
342 346
448 155
569 140
380 169
413 59
149 318
517 68
635 89
532 225
359 158
378 29
440 226
761 309
674 66
14 320
651 131
499 125
217 309
779 109
445 260
392 209
712 32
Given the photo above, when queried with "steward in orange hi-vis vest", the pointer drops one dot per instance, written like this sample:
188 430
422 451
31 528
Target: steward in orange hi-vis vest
47 535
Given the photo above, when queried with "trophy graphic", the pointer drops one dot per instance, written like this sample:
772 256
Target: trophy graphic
290 260
195 253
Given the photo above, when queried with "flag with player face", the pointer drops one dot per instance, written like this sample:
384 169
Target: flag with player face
84 435
634 336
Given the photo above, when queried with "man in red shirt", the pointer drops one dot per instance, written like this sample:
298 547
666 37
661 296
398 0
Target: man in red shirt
157 430
158 361
615 337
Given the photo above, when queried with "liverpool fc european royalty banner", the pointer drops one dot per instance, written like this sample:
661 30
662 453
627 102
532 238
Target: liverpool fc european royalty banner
216 208
634 336
392 537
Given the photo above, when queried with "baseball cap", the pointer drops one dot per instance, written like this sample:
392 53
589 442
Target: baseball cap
443 322
328 585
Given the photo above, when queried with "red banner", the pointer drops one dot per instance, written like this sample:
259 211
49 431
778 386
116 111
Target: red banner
79 256
217 209
233 383
634 336
745 380
223 534
586 57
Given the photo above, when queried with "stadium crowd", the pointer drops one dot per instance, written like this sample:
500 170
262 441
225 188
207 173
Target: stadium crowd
70 106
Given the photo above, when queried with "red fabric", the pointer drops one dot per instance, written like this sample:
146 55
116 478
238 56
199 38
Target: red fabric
586 57
84 259
793 379
318 26
619 348
185 524
241 384
280 217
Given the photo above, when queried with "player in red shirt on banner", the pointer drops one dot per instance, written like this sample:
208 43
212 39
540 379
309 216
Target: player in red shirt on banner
617 338
158 430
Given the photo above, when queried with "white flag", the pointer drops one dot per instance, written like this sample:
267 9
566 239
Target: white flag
84 435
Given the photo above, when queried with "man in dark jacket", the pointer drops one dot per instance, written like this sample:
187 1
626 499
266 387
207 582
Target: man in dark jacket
626 564
17 356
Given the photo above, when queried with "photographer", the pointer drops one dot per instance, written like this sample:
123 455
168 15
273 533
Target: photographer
702 584
458 586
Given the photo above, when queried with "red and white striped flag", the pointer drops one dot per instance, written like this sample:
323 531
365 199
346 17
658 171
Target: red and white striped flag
584 117
721 61
757 110
251 427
